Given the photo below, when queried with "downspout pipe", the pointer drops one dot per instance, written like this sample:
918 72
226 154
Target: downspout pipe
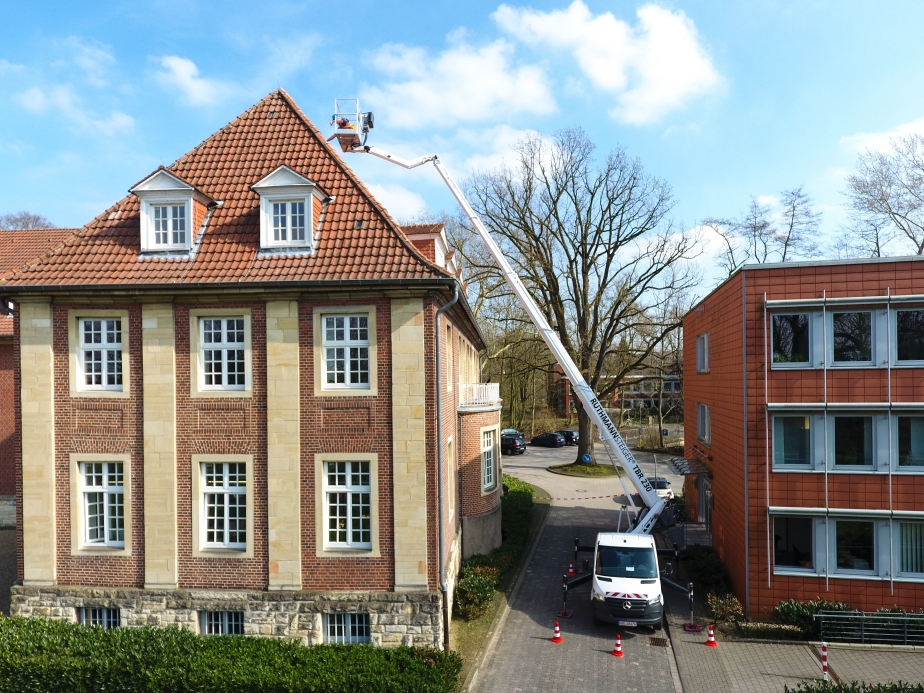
439 461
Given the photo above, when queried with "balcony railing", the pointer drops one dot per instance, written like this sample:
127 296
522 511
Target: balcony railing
477 395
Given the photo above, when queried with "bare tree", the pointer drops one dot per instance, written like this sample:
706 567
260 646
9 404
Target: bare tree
887 191
24 220
594 245
762 234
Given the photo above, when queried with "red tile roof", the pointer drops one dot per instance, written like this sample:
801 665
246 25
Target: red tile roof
18 248
271 133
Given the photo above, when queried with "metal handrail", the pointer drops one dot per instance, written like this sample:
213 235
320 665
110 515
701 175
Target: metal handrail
897 628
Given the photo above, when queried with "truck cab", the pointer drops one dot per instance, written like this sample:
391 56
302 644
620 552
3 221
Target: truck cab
626 588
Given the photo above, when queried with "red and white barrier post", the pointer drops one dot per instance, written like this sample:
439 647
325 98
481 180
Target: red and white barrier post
710 642
824 661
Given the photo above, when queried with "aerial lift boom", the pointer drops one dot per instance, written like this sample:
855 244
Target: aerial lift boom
615 445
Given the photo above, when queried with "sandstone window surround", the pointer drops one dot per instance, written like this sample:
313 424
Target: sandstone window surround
221 622
98 346
99 617
220 359
347 496
223 506
489 459
345 351
346 629
100 504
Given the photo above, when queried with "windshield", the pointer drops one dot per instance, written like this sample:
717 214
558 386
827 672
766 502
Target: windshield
661 483
626 561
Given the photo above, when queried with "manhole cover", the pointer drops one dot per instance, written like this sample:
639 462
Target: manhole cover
657 642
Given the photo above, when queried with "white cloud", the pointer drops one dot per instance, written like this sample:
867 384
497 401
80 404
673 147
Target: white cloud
881 141
654 68
400 202
487 149
463 83
768 200
94 59
6 67
63 101
182 74
288 57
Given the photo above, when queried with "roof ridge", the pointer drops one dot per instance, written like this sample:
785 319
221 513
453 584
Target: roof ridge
391 223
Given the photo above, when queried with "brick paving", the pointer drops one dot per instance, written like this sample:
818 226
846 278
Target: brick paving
876 666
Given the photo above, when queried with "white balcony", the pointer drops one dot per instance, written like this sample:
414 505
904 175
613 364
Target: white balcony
479 396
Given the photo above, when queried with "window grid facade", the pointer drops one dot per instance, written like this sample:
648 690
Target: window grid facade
222 623
346 351
222 347
101 353
224 501
170 225
347 629
488 458
104 503
348 494
99 617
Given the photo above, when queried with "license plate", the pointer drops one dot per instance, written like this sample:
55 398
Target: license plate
628 624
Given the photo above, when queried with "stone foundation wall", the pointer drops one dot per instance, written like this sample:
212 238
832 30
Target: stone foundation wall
395 618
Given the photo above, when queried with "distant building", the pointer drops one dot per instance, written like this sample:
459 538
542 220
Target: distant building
804 390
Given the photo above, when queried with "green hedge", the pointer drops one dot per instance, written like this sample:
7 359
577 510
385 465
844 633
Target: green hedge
856 687
54 657
799 614
707 572
480 574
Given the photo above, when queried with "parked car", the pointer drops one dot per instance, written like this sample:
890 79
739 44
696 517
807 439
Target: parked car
513 445
571 437
510 432
549 440
662 487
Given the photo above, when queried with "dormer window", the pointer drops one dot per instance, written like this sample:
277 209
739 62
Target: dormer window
171 210
287 210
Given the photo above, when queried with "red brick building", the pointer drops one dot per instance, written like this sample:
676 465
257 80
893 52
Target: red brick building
18 248
228 406
804 386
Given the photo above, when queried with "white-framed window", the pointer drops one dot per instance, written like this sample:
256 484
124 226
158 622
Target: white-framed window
488 460
221 622
855 545
224 505
99 617
909 336
345 344
451 475
911 549
100 353
703 423
289 222
909 441
793 543
103 496
169 225
346 629
792 440
702 353
791 339
852 336
222 353
853 440
348 504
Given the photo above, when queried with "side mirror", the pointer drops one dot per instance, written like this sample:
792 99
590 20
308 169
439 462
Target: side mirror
667 570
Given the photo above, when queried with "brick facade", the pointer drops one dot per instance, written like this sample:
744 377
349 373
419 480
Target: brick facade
738 387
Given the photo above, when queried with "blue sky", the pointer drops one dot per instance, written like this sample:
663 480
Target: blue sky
724 100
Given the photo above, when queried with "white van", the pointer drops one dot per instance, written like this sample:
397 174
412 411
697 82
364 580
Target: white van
626 586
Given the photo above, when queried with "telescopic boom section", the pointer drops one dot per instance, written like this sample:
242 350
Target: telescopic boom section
592 405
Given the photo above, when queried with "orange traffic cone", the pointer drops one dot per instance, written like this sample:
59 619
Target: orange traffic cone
557 639
570 568
617 649
711 641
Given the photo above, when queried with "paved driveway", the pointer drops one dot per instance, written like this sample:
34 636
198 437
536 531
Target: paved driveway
523 658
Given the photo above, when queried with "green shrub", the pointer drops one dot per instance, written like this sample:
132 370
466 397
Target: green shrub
855 687
708 573
775 631
726 608
56 657
799 614
474 595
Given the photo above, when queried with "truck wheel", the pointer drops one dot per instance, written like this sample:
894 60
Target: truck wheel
658 625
